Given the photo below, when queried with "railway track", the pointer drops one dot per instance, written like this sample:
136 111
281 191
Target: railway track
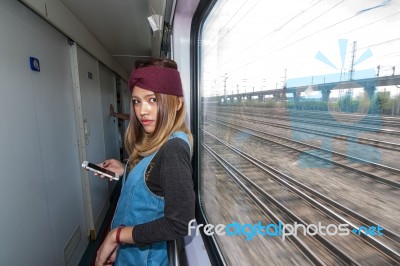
265 183
361 119
377 172
347 137
327 121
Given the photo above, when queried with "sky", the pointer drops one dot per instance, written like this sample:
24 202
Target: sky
258 44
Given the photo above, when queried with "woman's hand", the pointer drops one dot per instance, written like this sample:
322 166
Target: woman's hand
107 252
114 166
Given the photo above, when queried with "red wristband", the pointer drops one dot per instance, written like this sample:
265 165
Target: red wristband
117 240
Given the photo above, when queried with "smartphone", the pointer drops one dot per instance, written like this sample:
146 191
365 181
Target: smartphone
100 170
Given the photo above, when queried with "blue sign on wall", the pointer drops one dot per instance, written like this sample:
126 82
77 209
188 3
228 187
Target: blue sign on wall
35 65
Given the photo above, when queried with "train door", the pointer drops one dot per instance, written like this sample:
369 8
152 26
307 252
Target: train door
96 92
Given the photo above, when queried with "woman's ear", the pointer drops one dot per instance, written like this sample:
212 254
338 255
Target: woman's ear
180 101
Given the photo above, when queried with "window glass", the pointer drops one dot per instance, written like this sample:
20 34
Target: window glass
306 89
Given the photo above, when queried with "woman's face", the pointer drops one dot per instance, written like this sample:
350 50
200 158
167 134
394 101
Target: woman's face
145 107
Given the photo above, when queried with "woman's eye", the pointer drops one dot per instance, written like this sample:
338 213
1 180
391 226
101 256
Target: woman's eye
135 101
153 100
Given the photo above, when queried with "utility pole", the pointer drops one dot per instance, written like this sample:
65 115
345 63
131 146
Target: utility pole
283 96
353 56
284 79
225 98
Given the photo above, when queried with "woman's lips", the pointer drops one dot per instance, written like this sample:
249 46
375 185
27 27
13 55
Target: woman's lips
146 122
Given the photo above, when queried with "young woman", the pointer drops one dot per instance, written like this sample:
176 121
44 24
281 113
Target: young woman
157 197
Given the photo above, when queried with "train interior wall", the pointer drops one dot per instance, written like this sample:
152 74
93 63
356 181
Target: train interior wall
196 253
45 213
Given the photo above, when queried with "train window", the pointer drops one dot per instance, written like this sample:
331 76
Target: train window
299 131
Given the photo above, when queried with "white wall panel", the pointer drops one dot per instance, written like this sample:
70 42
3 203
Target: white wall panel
41 196
181 44
194 247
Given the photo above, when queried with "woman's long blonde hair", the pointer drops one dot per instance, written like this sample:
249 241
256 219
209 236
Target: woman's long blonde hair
138 143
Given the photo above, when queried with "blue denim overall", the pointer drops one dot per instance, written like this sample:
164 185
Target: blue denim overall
138 205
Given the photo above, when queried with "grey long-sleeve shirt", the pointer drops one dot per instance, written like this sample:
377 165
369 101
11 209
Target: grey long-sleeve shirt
169 175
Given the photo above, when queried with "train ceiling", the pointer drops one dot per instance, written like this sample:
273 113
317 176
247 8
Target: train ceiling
118 31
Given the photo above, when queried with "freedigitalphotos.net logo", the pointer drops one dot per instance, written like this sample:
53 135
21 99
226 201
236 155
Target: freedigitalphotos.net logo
249 231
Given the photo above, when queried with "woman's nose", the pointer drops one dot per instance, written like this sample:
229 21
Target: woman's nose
144 109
